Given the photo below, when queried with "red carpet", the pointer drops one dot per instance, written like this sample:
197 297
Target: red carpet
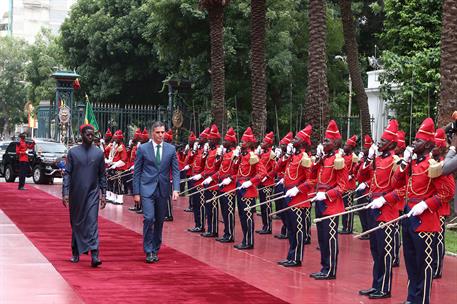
124 277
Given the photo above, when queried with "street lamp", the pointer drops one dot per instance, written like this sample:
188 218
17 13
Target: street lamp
344 59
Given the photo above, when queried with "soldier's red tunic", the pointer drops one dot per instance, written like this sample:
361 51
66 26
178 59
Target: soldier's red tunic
212 164
350 165
382 182
297 169
326 178
21 150
228 168
267 160
420 187
197 161
121 154
250 169
107 149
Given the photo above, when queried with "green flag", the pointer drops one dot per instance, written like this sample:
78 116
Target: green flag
90 116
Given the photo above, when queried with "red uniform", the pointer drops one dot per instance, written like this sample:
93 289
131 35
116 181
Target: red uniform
250 169
421 187
382 182
212 163
267 160
121 154
326 178
21 150
227 168
297 171
108 149
198 164
350 162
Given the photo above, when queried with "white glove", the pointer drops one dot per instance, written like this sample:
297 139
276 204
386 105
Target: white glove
246 184
196 177
280 182
341 151
207 181
372 152
290 149
219 151
186 148
108 162
264 179
292 192
258 150
195 147
187 167
418 209
117 164
349 177
320 196
226 181
361 187
376 203
206 147
224 150
113 166
278 152
132 167
236 152
408 154
102 141
360 156
320 150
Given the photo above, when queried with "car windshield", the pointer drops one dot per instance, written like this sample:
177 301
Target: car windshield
51 148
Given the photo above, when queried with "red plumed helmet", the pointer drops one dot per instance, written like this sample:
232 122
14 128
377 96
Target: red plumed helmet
332 131
390 133
230 135
248 136
268 139
426 130
305 134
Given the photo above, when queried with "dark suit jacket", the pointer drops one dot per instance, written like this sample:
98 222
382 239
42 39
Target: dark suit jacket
147 177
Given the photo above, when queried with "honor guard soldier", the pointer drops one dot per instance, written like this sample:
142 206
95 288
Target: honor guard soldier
363 188
212 163
197 160
250 173
438 153
107 143
144 136
267 158
350 162
382 169
279 187
186 171
330 178
425 190
298 219
118 165
226 178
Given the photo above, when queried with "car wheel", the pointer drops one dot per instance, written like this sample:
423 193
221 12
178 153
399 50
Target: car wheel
9 175
38 176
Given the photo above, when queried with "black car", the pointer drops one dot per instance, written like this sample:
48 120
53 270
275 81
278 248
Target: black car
46 161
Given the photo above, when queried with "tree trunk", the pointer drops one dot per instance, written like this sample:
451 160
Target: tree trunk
216 24
258 79
316 103
353 64
448 96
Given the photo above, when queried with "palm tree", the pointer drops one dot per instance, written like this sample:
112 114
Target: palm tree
353 64
317 96
258 79
215 10
448 68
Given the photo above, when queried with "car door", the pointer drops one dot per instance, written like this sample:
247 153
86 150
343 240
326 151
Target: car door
10 158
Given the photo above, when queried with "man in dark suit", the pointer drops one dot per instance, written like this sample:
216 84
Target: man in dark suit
153 164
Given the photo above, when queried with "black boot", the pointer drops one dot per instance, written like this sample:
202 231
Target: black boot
95 260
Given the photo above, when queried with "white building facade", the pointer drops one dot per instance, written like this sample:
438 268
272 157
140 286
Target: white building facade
29 16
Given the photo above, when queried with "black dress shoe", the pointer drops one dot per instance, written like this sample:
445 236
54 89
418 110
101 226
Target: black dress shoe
188 210
196 229
155 257
437 276
292 264
74 259
282 262
139 211
149 258
263 231
243 246
345 232
281 236
324 277
366 292
316 274
134 208
208 234
21 188
95 261
379 295
225 240
168 219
